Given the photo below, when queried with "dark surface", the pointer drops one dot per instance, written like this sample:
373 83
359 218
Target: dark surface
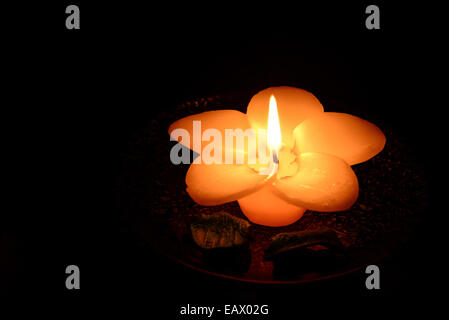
78 98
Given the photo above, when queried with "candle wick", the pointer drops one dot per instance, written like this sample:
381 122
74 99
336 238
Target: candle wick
275 157
274 166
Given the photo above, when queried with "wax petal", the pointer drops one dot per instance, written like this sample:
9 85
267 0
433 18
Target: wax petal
323 183
220 120
266 208
216 184
294 106
346 136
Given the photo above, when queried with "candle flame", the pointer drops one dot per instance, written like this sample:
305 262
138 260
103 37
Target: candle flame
273 138
273 129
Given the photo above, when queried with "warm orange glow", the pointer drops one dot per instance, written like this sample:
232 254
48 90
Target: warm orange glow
264 206
294 105
310 153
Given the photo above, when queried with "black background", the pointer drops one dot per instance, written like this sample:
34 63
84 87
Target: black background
77 97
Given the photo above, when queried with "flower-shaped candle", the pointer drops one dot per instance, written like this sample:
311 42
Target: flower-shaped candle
310 154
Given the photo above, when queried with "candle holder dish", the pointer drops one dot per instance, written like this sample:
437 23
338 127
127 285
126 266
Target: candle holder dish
153 201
